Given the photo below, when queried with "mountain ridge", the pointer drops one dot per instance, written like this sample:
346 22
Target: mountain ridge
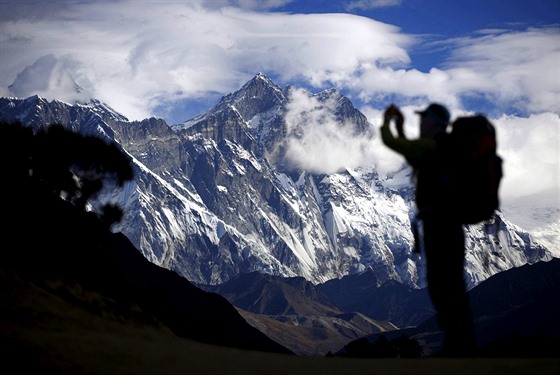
514 313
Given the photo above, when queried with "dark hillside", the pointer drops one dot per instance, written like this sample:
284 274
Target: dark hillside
52 247
274 295
515 314
295 314
392 301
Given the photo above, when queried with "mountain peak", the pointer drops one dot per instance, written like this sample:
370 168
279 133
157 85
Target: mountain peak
262 79
331 92
256 96
260 82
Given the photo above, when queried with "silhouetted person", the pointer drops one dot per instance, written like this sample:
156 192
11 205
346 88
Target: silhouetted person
443 238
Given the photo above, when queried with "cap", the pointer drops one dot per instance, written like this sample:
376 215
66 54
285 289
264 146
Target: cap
437 112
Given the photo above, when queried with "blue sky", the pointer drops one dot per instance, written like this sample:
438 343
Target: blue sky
175 59
441 19
446 18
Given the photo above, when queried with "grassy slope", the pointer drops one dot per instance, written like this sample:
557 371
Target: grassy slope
42 331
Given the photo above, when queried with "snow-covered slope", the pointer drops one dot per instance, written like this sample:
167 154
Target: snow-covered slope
538 214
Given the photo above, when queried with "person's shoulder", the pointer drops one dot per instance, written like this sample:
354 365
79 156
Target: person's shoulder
442 138
442 146
443 141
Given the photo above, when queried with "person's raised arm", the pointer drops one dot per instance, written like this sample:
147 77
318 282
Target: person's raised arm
413 150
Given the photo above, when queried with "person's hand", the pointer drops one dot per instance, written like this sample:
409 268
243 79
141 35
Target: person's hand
390 112
393 112
399 122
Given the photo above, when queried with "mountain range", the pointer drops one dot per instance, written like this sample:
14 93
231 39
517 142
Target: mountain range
314 259
221 194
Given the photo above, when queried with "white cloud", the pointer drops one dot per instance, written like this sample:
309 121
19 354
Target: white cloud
137 54
513 71
317 142
530 149
520 68
51 77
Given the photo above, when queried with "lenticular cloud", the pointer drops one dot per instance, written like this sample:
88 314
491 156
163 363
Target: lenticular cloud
51 78
134 57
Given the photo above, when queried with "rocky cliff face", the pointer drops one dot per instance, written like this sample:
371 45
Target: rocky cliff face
220 195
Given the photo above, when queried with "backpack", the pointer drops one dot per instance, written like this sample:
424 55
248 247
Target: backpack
475 169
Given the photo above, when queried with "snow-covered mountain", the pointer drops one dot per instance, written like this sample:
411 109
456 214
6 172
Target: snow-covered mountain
223 193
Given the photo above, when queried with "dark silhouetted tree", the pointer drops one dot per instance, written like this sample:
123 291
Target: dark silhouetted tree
406 347
383 348
64 163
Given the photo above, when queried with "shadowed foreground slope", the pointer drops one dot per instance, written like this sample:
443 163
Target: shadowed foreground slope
53 246
44 333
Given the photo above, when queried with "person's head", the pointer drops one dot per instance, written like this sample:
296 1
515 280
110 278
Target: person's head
433 120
